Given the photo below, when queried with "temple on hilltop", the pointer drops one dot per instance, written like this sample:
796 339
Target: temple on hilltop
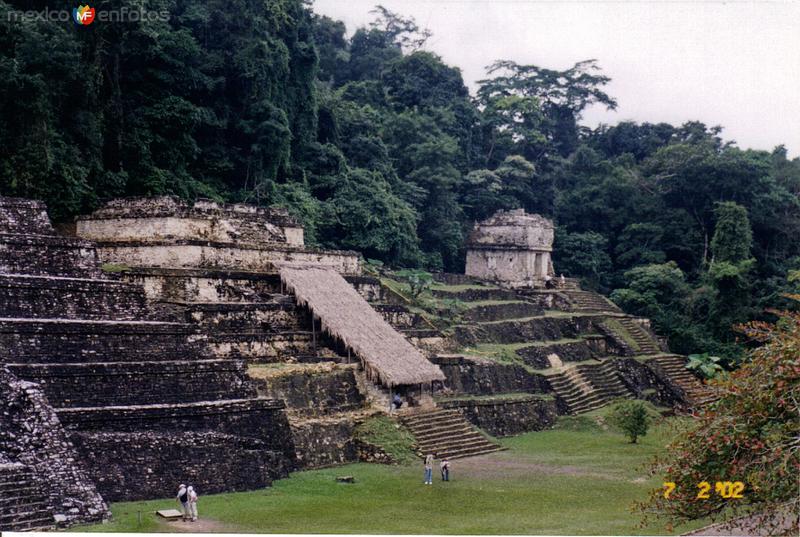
511 248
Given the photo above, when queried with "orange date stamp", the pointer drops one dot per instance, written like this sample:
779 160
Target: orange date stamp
729 490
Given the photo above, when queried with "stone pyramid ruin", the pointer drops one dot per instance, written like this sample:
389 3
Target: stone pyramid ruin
142 398
201 342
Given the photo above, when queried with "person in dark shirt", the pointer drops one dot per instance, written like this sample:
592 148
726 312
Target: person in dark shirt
183 499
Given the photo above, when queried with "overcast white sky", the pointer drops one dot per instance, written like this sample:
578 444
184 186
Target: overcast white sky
735 64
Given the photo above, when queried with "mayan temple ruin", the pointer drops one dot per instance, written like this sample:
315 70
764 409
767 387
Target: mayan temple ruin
207 333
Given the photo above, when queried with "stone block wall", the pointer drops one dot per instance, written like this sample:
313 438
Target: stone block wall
269 317
194 285
152 389
468 376
170 217
42 255
315 393
536 356
138 383
325 442
648 383
147 464
521 331
224 256
19 215
49 297
35 341
31 434
507 417
399 316
496 312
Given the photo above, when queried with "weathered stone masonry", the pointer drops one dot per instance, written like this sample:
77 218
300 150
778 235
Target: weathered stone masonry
134 396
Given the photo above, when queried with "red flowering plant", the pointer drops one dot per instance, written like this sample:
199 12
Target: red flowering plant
750 434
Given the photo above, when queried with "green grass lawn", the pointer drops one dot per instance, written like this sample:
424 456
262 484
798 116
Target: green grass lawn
579 478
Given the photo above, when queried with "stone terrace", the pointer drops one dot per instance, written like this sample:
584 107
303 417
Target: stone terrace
237 302
155 387
169 233
529 354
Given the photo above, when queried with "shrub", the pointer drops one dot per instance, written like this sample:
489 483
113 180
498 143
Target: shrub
418 280
704 364
632 418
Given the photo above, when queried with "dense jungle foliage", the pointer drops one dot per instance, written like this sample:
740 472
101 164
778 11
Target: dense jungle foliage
377 145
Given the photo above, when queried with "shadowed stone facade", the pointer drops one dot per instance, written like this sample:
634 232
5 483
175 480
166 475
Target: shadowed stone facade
145 402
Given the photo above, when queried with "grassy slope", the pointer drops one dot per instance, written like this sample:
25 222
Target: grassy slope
395 439
576 479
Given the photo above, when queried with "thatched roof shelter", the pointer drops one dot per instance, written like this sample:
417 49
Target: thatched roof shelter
386 354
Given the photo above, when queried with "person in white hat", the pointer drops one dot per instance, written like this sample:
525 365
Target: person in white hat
183 499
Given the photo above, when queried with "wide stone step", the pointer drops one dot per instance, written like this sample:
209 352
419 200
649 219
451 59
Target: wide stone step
98 384
69 341
21 500
39 521
432 419
462 454
23 296
427 431
246 317
439 438
543 328
470 444
588 407
263 347
502 311
586 398
235 416
475 294
422 416
48 255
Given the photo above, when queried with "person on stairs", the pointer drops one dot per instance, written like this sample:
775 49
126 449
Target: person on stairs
429 469
397 402
183 499
192 502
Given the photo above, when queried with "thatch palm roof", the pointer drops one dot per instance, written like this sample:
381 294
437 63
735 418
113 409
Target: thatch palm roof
343 313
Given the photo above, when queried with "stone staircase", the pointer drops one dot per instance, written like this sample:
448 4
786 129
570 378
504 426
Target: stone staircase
644 340
589 301
674 367
23 505
447 434
586 387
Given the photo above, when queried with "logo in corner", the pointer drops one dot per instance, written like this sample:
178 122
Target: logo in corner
83 15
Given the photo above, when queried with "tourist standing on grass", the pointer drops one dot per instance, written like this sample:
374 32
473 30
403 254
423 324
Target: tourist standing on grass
183 499
445 467
429 469
192 502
